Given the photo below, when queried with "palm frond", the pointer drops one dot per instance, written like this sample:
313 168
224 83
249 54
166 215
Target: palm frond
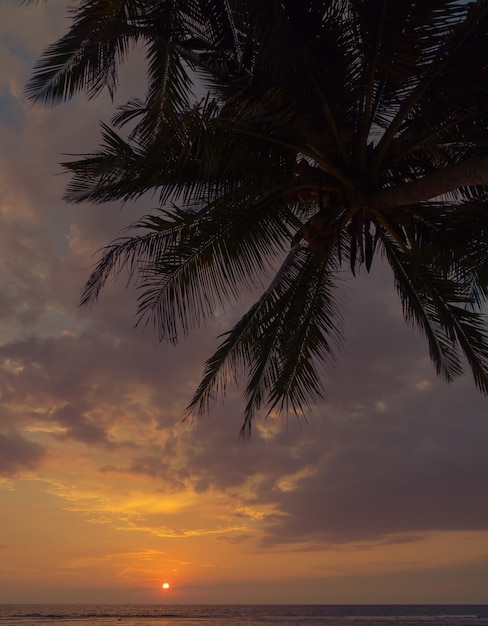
439 306
224 254
190 263
87 57
451 34
195 154
280 341
350 127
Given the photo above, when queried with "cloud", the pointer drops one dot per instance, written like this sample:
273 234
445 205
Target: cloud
393 455
17 454
381 474
234 539
12 117
387 455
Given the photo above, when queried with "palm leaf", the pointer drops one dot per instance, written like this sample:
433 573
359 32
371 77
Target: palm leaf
211 265
452 36
295 325
190 263
87 57
333 122
438 305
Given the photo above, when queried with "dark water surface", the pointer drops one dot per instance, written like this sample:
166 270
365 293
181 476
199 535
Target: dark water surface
241 615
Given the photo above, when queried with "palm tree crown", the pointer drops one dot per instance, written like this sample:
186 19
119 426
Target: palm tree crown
330 131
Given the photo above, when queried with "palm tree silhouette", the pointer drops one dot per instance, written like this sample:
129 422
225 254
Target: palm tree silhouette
330 131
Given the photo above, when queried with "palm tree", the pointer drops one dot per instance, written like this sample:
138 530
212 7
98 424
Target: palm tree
330 131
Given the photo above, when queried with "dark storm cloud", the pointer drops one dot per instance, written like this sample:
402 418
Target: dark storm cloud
18 454
357 479
385 474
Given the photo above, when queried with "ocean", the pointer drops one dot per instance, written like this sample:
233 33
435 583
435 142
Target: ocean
241 615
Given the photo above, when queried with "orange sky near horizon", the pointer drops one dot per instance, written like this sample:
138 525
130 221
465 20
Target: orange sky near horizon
105 494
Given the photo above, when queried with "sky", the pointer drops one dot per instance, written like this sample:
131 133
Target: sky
105 493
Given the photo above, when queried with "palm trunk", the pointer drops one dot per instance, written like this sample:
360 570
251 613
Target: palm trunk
467 173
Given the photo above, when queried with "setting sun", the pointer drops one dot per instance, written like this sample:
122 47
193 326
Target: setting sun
165 585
